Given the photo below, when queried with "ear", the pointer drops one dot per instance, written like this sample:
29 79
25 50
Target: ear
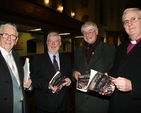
60 43
16 41
96 31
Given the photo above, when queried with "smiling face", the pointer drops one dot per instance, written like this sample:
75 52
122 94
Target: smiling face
90 34
53 44
132 24
8 43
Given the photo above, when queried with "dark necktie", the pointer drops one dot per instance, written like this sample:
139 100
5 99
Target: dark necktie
55 63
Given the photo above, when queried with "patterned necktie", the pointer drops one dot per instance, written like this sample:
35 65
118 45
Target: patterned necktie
55 63
9 61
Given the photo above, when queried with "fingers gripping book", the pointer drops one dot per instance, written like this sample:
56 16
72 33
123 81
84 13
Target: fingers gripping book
57 80
97 82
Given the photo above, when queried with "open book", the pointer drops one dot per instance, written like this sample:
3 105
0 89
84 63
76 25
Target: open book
57 80
96 81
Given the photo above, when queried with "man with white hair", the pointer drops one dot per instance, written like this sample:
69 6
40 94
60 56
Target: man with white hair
127 67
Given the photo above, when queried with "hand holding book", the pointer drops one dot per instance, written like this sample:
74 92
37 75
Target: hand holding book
56 83
96 81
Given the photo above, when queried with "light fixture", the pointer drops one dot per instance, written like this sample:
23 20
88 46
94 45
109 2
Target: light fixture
38 29
73 13
46 1
64 33
78 36
60 8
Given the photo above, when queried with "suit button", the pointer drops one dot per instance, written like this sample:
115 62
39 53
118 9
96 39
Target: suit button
6 81
5 98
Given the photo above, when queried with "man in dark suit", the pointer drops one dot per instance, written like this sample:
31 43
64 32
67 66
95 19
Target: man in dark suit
97 55
127 67
12 96
47 99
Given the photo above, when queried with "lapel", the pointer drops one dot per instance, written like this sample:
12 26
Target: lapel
3 62
96 54
61 62
135 49
49 62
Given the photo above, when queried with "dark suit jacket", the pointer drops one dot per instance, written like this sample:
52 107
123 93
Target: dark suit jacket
42 71
6 89
127 66
102 61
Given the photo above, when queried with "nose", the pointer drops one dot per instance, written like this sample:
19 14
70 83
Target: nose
53 43
8 37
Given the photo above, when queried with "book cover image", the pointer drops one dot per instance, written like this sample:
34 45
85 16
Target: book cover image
97 82
82 82
57 80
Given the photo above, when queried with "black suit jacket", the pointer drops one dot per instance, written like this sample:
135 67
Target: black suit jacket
42 71
6 89
127 66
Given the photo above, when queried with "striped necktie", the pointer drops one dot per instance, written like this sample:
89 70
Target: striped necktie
9 61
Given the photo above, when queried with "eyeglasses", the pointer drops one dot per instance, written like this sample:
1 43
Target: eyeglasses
89 32
132 20
5 36
49 41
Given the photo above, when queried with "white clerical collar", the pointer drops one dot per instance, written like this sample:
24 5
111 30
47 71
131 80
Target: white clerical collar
133 41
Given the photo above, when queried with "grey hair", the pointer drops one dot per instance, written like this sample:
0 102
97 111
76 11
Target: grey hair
53 34
2 26
88 24
130 9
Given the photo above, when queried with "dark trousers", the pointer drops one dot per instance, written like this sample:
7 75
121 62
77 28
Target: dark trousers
58 111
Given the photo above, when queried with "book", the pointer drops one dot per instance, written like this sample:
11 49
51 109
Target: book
57 80
26 69
96 81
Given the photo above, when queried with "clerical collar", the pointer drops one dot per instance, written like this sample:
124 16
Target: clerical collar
135 41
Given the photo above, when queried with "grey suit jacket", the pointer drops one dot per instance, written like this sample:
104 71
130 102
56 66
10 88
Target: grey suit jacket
102 61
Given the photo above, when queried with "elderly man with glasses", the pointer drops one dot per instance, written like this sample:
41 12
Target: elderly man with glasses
12 96
97 55
127 67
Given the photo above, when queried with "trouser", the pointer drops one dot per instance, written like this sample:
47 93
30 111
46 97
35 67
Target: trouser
58 111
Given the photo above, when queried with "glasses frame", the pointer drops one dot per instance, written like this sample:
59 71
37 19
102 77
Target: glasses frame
12 37
89 32
132 20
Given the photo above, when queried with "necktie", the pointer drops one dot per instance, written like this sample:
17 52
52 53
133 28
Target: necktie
55 63
9 61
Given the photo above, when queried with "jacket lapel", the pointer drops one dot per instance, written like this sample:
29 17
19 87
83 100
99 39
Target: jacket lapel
3 61
96 54
49 62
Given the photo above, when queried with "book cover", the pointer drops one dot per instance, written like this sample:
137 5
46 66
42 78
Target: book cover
57 80
97 82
